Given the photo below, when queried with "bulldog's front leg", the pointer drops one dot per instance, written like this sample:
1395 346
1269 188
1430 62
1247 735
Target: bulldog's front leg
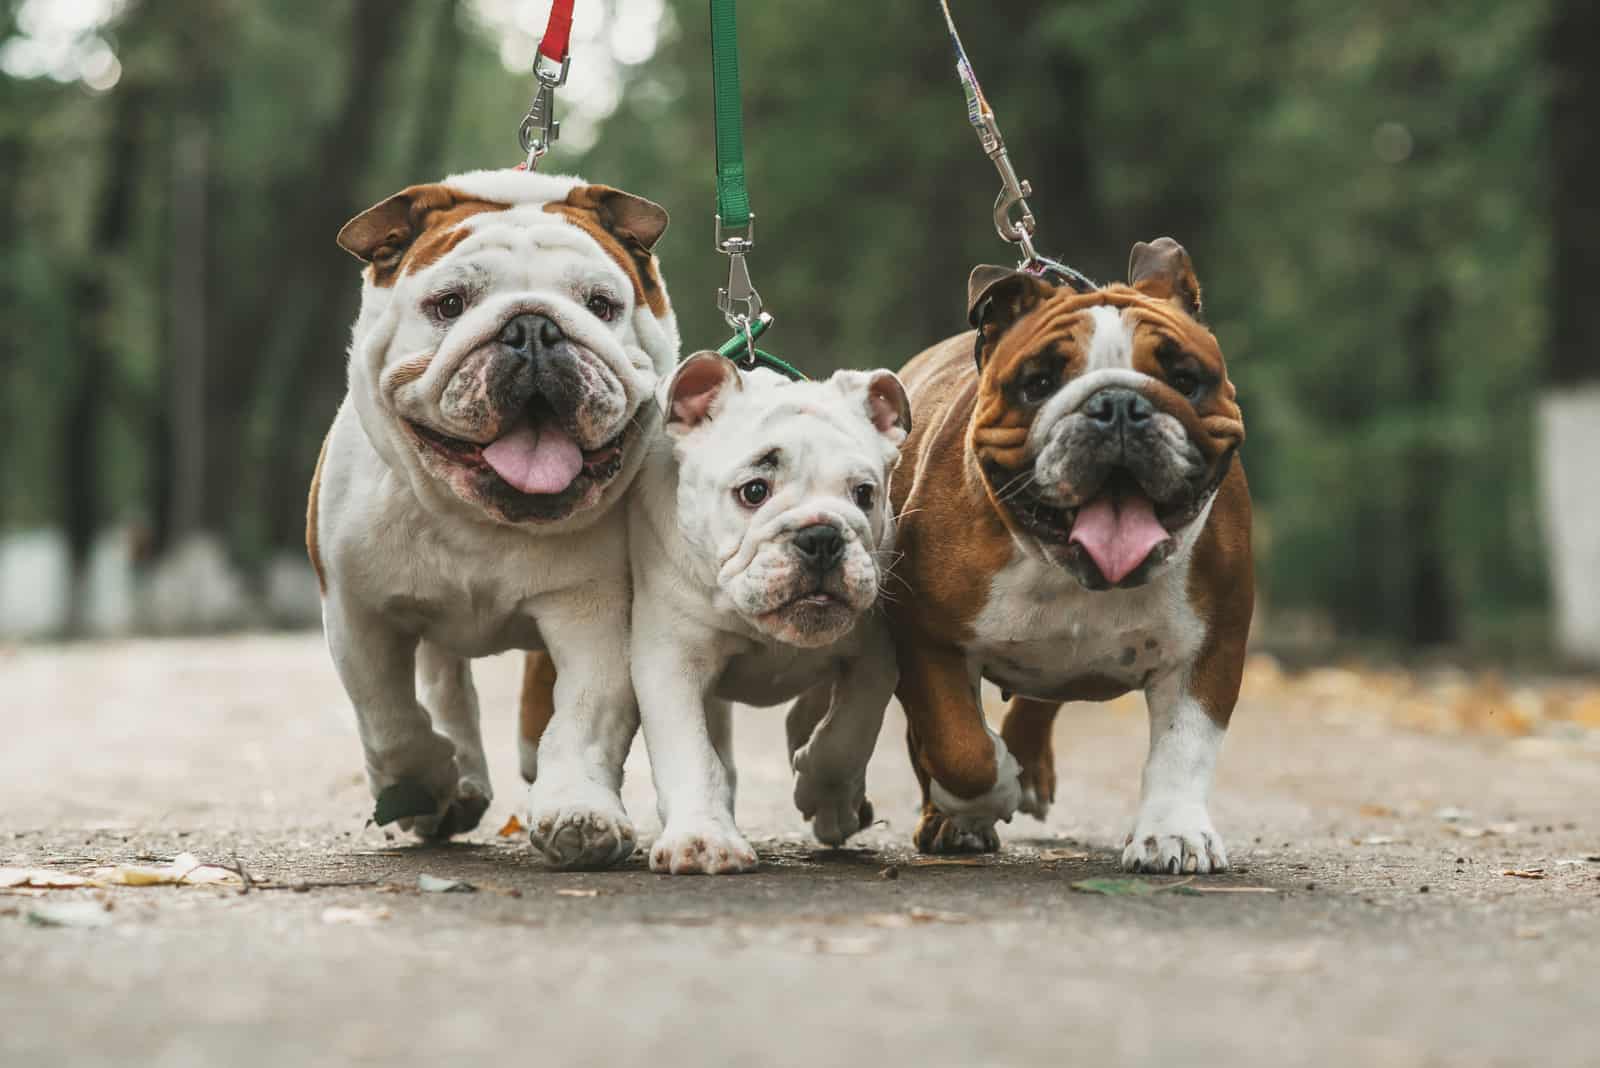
832 730
969 779
411 769
576 818
694 786
1173 831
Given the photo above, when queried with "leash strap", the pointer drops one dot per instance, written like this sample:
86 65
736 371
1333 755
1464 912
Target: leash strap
733 198
558 31
735 231
1013 191
550 65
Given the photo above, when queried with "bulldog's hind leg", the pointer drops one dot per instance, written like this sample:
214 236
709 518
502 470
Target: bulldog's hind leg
969 778
575 812
538 704
1027 732
411 768
449 695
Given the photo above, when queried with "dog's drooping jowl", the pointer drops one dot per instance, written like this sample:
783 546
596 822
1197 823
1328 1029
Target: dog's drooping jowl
513 329
760 534
1075 525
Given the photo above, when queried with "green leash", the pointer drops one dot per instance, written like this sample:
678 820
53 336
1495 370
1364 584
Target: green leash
739 302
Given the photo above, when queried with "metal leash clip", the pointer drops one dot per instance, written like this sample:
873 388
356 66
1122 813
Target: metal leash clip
738 301
539 127
1013 191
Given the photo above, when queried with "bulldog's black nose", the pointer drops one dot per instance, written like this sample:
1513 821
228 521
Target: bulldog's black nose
820 545
528 335
1118 407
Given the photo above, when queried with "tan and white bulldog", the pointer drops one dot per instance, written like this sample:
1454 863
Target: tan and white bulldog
760 534
513 328
1076 525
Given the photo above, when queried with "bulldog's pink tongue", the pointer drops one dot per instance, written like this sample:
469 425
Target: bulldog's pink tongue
1118 533
535 459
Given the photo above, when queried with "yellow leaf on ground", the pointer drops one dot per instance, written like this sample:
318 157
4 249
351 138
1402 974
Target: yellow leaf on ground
512 828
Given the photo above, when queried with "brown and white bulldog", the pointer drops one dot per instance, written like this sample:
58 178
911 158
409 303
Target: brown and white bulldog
513 327
1076 525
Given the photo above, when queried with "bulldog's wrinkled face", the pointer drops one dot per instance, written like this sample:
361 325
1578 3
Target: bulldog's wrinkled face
1105 420
511 327
783 490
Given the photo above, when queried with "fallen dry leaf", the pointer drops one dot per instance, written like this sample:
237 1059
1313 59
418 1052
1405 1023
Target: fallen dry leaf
1048 856
1201 889
359 916
512 828
1376 839
573 891
1525 873
1377 812
922 915
40 879
945 862
185 870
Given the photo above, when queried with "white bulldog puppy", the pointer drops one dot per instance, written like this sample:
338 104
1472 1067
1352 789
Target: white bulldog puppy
761 538
513 328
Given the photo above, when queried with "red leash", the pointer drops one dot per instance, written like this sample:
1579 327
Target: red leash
539 127
558 32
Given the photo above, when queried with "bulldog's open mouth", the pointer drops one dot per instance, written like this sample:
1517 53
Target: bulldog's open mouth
536 457
1115 537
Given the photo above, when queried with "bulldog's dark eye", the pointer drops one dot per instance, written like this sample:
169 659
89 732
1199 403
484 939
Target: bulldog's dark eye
753 493
865 496
603 308
451 305
1038 385
1186 382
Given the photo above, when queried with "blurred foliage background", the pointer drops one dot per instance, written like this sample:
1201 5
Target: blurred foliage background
1372 193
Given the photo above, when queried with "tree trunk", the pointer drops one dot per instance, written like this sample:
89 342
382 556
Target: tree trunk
305 270
82 419
1569 409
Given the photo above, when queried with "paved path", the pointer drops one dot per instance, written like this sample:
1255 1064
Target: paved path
1393 937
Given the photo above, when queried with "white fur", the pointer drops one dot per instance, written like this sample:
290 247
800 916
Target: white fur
420 580
704 568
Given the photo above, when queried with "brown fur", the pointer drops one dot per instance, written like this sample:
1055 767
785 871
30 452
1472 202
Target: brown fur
311 518
589 207
956 534
538 697
410 230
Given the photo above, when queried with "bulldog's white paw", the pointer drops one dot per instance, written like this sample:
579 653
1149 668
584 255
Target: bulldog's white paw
437 801
701 847
578 826
1033 803
836 810
995 804
1174 840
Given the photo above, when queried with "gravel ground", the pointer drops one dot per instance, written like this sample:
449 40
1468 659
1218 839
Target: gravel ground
1380 926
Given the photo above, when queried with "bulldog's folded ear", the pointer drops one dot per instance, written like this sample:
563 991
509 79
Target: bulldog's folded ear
687 398
383 233
1162 269
996 298
629 217
884 397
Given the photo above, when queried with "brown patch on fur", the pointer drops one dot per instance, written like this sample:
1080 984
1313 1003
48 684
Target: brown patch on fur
411 229
538 697
590 208
1222 589
312 509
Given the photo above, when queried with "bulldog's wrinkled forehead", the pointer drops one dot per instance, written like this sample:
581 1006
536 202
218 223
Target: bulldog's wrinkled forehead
422 226
1115 327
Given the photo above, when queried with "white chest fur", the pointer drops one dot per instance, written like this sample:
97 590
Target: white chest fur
1040 631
